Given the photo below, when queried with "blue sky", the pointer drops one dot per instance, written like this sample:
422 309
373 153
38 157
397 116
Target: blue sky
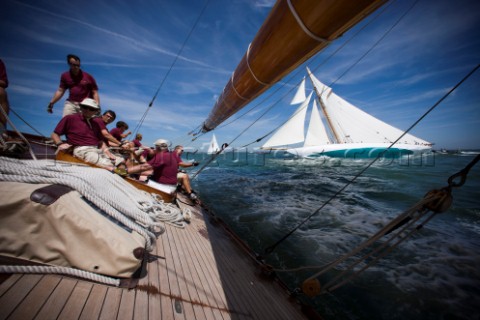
130 46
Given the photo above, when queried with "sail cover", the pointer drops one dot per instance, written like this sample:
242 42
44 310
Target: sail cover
292 33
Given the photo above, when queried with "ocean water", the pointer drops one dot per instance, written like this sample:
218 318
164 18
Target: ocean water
433 274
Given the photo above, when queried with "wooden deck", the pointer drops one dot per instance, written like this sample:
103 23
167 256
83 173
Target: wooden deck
203 275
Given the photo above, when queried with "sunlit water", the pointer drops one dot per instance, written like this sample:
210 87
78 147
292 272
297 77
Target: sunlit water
434 274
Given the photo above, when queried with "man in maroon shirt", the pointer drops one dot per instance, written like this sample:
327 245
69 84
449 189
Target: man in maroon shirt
3 99
85 136
119 132
80 84
102 121
164 165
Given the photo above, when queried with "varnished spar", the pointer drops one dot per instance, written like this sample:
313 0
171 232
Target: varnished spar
293 32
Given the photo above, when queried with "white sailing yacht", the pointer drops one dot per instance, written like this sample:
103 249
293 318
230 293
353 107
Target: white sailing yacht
213 146
349 131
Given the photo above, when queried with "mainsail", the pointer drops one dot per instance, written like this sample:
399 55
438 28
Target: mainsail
352 125
293 32
292 131
316 134
351 131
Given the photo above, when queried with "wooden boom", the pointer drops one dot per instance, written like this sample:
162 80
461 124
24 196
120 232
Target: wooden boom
292 33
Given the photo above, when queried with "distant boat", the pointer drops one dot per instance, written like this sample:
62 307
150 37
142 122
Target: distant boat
348 131
213 146
441 151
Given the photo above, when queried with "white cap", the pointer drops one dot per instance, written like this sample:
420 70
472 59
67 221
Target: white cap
161 142
88 102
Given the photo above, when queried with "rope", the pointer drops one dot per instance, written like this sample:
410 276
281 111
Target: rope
4 144
134 208
61 270
212 158
302 24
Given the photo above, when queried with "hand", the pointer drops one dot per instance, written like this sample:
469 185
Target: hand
63 146
50 108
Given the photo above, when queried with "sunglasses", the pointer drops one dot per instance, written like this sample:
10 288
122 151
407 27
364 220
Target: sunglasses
75 64
88 108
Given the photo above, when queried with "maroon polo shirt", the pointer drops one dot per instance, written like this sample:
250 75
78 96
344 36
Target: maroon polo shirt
117 133
137 143
100 122
102 125
165 167
80 85
79 131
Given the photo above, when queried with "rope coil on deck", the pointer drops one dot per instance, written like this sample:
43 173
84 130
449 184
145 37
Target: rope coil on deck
136 209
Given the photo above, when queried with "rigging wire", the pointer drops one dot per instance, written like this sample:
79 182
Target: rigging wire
28 124
271 248
170 69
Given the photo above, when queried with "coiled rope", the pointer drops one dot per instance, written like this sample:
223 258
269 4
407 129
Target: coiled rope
134 208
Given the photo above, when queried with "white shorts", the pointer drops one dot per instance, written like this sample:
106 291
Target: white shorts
167 188
94 155
70 108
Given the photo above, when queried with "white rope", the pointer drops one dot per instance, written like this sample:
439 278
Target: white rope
3 143
302 25
134 208
61 270
234 89
250 69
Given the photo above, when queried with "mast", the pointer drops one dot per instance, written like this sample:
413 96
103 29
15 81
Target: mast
324 110
293 32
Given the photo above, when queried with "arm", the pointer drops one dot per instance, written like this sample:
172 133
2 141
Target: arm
106 151
140 168
109 137
124 135
58 142
57 96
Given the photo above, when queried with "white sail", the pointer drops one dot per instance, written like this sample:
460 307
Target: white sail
316 134
292 131
349 131
213 146
352 125
300 95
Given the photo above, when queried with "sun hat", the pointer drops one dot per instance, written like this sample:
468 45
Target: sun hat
161 142
89 102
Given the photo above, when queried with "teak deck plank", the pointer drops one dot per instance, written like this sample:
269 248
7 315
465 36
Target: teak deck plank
76 302
31 305
111 304
94 303
10 302
198 273
57 299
